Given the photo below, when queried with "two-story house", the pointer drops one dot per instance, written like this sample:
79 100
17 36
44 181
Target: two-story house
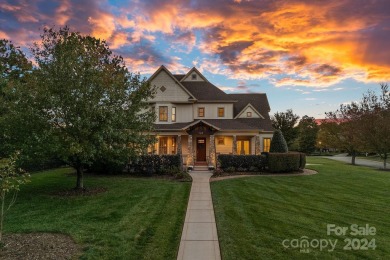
199 121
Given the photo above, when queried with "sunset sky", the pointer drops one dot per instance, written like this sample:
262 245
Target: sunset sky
308 55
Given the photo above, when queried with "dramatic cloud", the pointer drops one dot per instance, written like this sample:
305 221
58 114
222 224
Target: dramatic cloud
289 42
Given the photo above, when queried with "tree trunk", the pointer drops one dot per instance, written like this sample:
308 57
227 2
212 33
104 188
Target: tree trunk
2 215
80 183
384 161
353 158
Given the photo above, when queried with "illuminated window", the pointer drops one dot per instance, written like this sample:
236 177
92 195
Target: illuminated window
221 112
266 144
173 114
163 145
173 145
243 147
248 114
221 141
201 112
163 113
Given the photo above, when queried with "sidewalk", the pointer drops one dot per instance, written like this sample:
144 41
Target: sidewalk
358 161
199 239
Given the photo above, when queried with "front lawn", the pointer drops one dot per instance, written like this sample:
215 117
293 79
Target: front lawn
256 214
136 218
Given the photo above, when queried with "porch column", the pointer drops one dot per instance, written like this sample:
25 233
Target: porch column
190 157
178 143
212 151
257 145
234 145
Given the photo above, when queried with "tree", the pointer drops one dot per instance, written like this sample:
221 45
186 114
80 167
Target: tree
85 100
374 122
286 122
307 138
278 143
14 68
11 178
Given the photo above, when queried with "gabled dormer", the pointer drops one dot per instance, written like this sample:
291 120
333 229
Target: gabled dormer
194 75
249 111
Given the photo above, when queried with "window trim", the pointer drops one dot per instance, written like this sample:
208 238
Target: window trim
248 114
173 114
223 112
194 76
199 109
159 114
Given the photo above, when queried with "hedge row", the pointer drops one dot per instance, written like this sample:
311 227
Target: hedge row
160 164
286 162
273 162
242 162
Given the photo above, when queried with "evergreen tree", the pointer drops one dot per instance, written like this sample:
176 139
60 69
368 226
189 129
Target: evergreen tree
278 143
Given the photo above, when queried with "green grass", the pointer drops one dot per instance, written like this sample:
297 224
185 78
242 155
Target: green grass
375 158
135 219
255 214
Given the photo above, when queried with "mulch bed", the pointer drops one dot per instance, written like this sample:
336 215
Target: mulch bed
39 246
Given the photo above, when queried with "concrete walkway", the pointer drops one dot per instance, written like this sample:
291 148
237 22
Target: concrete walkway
358 161
199 239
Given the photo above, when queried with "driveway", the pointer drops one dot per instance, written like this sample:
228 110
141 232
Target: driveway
358 161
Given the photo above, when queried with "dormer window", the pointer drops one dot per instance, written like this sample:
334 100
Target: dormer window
193 76
248 114
221 112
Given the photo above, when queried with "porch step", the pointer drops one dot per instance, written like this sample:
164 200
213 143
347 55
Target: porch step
201 168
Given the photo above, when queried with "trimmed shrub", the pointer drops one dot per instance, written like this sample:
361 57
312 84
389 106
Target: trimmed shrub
278 143
160 164
284 162
242 162
230 169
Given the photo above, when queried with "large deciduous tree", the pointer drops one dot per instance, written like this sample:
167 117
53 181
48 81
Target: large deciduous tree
286 122
88 104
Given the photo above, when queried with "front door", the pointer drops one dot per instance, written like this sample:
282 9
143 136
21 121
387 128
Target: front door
201 149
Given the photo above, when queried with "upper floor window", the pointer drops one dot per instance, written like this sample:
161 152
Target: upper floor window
163 113
221 112
200 111
248 114
193 76
173 114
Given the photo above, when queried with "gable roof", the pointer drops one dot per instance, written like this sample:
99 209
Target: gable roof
163 68
253 108
204 91
258 100
197 72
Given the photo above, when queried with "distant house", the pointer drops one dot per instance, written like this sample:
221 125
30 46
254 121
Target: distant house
199 121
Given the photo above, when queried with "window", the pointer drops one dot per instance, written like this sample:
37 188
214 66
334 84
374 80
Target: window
163 113
243 147
200 111
193 76
173 145
266 144
221 112
163 145
173 114
221 141
248 114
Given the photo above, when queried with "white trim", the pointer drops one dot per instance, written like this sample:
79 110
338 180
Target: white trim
196 122
197 71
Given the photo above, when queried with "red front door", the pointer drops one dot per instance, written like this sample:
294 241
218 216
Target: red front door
201 149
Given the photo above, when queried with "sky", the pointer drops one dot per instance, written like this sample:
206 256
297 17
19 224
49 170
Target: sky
308 55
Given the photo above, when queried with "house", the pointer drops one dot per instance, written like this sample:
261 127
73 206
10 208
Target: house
199 121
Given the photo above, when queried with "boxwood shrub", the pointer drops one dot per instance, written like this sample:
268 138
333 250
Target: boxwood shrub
160 164
285 162
242 162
